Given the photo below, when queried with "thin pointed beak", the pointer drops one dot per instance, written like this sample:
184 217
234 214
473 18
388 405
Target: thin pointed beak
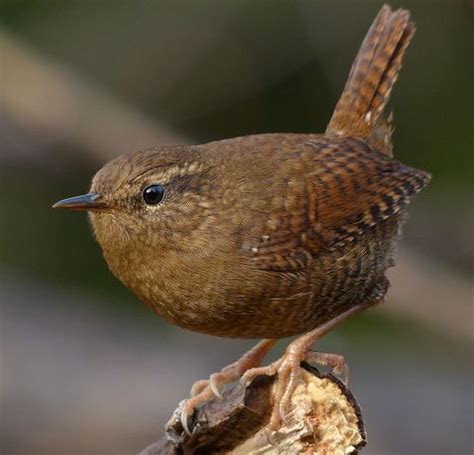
89 201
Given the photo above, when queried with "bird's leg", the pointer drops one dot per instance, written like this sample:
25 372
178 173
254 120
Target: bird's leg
287 366
203 390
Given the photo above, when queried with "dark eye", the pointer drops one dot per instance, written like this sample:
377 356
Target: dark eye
153 194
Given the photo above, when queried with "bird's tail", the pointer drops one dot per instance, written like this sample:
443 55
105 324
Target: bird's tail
372 76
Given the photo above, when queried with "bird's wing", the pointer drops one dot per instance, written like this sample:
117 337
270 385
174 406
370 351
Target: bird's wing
334 190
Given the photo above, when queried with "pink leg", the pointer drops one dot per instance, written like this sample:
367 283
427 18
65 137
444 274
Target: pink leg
288 365
203 390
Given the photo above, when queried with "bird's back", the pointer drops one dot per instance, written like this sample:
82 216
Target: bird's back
314 220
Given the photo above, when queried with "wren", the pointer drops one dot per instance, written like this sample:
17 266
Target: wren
269 235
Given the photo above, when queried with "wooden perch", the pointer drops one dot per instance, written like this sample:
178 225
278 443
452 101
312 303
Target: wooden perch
324 419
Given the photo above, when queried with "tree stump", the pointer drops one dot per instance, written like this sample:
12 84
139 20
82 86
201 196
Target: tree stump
324 419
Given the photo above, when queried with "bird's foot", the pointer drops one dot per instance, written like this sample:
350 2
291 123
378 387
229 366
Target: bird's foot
287 367
206 389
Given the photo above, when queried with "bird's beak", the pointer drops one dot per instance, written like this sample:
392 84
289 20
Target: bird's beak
89 201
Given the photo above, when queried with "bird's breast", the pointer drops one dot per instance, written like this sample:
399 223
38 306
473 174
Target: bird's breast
220 295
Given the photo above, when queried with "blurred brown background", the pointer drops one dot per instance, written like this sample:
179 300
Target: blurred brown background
85 369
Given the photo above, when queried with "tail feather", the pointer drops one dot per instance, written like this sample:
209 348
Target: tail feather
371 79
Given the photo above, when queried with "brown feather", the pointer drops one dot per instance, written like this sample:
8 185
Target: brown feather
371 79
348 188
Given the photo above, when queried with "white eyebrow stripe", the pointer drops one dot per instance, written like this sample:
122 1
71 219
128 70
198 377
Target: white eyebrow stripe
171 172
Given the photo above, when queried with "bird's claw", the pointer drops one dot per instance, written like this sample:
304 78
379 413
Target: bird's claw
198 387
203 390
215 385
174 426
184 418
335 362
250 375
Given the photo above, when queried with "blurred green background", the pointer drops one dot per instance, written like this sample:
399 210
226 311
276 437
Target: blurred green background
85 368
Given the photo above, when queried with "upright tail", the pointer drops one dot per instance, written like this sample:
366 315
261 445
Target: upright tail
372 76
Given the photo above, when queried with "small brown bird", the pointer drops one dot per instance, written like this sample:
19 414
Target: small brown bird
269 235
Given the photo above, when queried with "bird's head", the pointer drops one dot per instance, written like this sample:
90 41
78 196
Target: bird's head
154 197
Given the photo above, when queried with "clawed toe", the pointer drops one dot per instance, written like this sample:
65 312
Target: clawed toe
215 385
203 390
189 405
250 375
336 362
286 382
184 420
198 387
286 370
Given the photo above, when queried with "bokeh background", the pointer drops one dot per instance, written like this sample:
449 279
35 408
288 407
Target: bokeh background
85 369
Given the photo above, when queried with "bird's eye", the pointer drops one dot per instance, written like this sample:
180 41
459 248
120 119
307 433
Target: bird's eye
153 194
